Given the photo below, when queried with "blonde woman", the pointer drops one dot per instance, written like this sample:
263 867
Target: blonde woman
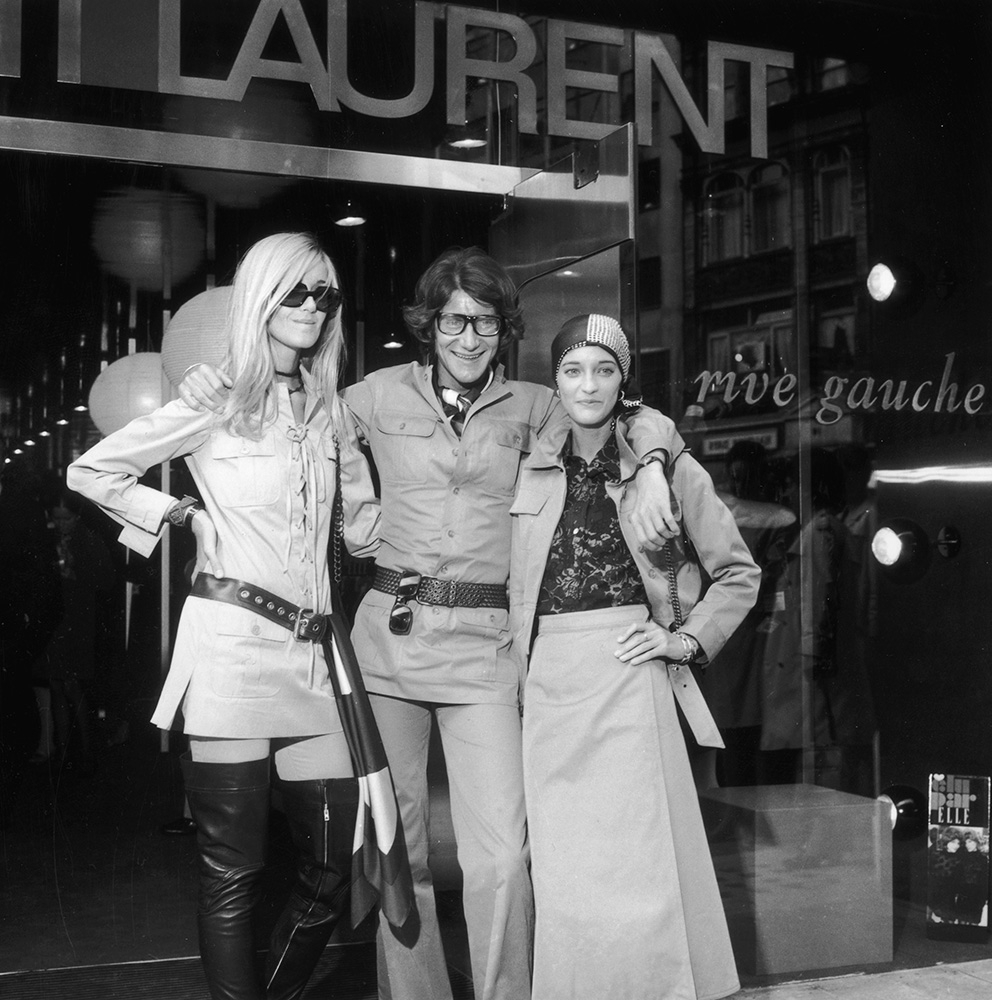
250 667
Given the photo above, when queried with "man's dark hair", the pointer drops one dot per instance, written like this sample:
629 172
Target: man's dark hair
473 271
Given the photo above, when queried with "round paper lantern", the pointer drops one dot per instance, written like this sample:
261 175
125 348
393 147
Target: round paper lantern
197 332
129 229
128 388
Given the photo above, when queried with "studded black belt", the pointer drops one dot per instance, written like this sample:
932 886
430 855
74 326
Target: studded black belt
447 593
305 624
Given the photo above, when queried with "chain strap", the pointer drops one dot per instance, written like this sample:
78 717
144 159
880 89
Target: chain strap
337 515
673 586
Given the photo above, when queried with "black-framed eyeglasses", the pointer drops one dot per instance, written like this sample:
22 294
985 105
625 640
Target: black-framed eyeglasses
326 298
401 616
454 323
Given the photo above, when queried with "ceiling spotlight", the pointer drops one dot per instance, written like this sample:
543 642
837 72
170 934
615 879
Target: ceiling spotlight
467 136
18 451
61 422
393 342
350 214
80 408
44 434
29 442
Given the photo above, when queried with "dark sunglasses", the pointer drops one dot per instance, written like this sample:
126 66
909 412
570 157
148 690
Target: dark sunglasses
326 298
401 616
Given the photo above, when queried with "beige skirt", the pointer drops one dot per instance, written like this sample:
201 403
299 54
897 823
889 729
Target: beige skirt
626 897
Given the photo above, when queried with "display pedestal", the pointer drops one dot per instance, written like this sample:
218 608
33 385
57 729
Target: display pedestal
805 873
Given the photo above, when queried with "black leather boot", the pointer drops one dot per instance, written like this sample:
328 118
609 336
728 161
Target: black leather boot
321 817
230 805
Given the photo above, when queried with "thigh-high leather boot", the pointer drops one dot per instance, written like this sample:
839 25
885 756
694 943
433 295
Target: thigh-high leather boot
321 817
230 805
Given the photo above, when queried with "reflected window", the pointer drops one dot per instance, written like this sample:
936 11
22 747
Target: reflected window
649 184
723 218
649 282
829 74
769 198
780 88
832 191
780 85
735 90
764 347
835 340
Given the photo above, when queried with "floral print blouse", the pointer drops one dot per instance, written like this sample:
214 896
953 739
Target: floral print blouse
589 565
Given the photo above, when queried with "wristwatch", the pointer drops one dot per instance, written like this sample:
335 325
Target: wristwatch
181 513
662 460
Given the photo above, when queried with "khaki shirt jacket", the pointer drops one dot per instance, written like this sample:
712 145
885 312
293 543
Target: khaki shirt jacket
716 577
245 676
445 514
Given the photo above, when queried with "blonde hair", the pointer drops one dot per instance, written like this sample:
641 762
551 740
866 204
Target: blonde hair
267 272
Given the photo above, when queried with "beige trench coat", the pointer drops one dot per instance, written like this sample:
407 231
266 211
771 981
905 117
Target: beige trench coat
717 578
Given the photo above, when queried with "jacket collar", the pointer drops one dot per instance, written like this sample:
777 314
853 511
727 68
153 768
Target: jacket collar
547 453
548 448
498 387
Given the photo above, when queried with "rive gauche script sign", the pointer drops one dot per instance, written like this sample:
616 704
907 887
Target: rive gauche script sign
866 393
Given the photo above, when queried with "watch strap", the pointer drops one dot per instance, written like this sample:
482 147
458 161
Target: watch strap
181 513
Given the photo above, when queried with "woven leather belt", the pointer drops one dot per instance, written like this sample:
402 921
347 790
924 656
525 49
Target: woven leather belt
305 624
447 593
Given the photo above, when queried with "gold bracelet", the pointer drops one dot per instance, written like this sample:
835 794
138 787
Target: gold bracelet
691 646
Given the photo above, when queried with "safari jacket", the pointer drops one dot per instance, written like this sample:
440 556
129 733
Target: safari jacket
716 577
445 514
235 673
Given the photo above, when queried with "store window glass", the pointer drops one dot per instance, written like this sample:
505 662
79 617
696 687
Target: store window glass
649 282
723 217
781 85
769 200
832 179
831 74
735 90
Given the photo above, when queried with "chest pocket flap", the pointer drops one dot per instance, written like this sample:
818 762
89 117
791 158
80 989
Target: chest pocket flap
396 422
512 435
244 472
229 446
529 501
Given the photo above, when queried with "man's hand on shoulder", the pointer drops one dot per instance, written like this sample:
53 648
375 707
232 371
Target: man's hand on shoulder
651 514
205 387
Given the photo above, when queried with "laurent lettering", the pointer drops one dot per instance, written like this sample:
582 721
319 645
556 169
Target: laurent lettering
328 79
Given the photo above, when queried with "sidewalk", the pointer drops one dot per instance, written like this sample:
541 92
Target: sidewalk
964 981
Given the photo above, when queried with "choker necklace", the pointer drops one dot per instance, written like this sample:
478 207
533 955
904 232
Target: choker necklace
292 388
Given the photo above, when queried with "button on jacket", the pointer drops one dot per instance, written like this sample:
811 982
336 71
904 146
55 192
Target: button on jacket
445 513
270 501
717 554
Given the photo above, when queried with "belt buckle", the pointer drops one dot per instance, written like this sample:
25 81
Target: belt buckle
309 626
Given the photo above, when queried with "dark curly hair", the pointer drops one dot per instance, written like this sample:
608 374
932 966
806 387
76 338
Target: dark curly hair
473 271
